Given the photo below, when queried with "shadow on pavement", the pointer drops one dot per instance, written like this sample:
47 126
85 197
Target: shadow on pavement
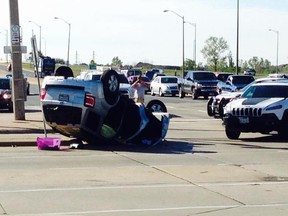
166 147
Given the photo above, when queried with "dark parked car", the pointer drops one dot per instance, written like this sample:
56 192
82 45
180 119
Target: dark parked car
198 83
6 94
235 83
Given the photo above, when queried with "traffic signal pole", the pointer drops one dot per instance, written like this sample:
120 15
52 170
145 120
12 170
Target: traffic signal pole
16 56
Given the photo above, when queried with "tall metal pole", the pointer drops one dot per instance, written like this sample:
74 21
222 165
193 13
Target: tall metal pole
6 30
16 55
194 49
237 40
69 32
277 47
40 36
183 42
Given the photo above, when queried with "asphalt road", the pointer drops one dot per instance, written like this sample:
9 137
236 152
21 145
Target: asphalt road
196 171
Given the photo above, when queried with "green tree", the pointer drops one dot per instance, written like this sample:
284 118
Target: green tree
190 64
116 62
214 52
259 64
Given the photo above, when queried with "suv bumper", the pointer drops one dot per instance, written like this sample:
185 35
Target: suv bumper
263 124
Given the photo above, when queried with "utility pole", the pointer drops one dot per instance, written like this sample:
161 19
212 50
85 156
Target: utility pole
16 56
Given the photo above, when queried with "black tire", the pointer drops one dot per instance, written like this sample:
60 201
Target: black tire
64 71
156 106
181 92
152 92
283 129
110 80
232 134
209 107
194 94
221 109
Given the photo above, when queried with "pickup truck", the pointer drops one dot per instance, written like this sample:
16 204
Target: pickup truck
198 83
94 111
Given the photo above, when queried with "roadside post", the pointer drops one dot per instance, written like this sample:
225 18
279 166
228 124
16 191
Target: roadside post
16 55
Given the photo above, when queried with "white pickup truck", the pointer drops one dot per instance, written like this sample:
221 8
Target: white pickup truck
94 111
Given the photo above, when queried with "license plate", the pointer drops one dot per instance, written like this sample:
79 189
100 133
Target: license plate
244 120
64 97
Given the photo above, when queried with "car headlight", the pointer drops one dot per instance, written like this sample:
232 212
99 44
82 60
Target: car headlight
165 87
274 107
198 85
7 96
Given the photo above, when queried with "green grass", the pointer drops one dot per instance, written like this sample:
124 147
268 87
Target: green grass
75 68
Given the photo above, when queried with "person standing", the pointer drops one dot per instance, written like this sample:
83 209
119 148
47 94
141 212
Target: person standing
140 86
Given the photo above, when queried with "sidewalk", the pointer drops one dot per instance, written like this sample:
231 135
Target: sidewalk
25 132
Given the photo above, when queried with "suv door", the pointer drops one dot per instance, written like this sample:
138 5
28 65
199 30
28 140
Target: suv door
189 81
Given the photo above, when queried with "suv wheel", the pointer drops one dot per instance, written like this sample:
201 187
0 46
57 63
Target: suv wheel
181 92
156 106
194 94
221 109
62 71
152 92
110 86
232 134
209 107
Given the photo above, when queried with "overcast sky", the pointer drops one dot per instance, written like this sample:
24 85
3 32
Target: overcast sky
139 30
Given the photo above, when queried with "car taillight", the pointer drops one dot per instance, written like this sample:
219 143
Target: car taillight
43 94
89 100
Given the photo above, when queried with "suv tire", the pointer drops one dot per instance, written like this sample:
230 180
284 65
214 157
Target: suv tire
156 106
232 134
111 84
181 92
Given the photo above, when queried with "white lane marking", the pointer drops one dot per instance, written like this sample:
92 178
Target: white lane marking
159 209
143 186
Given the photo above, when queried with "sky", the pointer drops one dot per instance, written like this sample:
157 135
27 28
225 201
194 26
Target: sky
139 30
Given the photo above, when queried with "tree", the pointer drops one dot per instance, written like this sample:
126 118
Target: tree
190 64
116 62
214 51
259 64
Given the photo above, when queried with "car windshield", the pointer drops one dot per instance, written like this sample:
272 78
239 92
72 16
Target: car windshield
204 76
242 79
4 84
169 80
266 91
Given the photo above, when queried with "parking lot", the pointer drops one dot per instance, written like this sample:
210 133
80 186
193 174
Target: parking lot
196 171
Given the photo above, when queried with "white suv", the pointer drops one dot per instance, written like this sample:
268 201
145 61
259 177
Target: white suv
263 108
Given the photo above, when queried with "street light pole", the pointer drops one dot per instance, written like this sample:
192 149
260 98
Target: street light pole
277 47
16 57
237 39
194 52
40 36
183 54
69 24
6 30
